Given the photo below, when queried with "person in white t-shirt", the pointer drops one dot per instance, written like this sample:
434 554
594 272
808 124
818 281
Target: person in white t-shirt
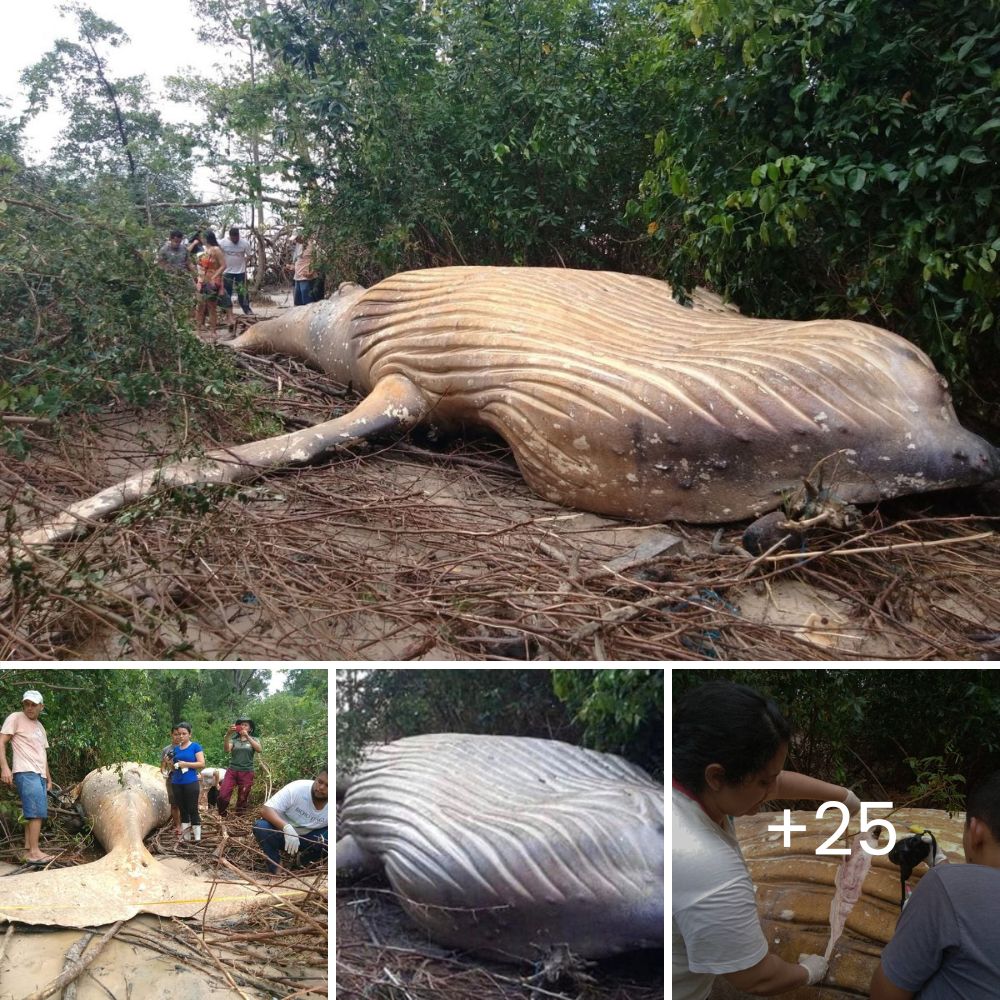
729 748
236 250
295 820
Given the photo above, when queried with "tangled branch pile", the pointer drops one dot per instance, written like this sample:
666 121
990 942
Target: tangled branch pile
410 553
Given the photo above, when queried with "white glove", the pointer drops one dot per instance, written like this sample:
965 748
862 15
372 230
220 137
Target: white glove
291 839
936 855
853 803
815 966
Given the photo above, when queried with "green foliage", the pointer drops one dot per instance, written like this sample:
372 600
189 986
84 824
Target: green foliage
931 782
99 717
621 710
834 158
461 132
889 734
87 318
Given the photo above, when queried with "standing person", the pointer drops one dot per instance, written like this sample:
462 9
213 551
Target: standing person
211 292
167 769
236 251
729 748
241 745
173 257
195 246
295 816
303 274
189 759
30 771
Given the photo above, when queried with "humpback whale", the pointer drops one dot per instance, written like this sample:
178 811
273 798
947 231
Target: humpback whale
124 802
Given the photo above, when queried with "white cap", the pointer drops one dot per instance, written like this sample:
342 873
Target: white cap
33 696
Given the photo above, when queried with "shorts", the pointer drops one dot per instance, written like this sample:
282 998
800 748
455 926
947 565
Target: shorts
31 787
214 293
175 802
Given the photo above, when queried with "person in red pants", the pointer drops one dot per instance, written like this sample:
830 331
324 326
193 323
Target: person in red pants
241 745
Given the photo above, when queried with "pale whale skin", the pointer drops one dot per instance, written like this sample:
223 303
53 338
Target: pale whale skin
124 802
616 399
510 846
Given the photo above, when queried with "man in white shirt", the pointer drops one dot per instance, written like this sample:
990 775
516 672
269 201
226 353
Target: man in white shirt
295 818
29 770
236 250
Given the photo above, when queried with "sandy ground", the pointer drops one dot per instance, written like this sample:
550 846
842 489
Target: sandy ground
35 956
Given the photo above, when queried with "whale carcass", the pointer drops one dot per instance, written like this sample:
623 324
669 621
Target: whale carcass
797 893
614 398
124 802
511 846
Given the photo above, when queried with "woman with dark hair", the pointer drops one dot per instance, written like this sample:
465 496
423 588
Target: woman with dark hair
729 748
188 759
211 289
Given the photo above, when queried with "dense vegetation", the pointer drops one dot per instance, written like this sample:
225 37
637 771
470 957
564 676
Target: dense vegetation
617 711
98 717
806 158
899 734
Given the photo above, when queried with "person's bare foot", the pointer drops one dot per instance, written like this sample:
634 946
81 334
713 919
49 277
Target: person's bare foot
39 858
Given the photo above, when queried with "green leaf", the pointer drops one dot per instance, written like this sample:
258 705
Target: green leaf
856 179
973 154
948 163
986 126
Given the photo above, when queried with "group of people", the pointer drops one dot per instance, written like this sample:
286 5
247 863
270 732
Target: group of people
294 819
730 744
217 267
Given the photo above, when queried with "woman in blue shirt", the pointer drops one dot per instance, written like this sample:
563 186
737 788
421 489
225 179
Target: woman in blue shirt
189 759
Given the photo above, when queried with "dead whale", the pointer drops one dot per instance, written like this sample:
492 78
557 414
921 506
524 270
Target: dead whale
124 802
614 398
509 846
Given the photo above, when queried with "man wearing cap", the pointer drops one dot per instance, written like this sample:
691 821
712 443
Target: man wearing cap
241 746
30 769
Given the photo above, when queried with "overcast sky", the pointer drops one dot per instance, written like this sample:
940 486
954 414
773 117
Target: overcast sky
163 43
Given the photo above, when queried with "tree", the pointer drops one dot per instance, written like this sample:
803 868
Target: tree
113 130
834 158
446 133
621 710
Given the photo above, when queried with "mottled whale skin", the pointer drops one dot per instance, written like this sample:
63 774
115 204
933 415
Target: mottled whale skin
511 846
618 400
795 887
613 397
124 802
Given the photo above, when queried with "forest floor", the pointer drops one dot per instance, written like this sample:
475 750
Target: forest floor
429 550
378 948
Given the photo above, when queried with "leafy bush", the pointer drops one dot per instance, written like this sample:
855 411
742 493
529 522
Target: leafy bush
462 133
87 318
835 158
622 711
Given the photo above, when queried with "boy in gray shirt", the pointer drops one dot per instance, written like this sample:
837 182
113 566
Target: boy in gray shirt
947 941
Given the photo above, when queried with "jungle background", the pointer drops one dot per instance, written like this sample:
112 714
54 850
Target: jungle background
98 717
615 711
913 737
804 159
